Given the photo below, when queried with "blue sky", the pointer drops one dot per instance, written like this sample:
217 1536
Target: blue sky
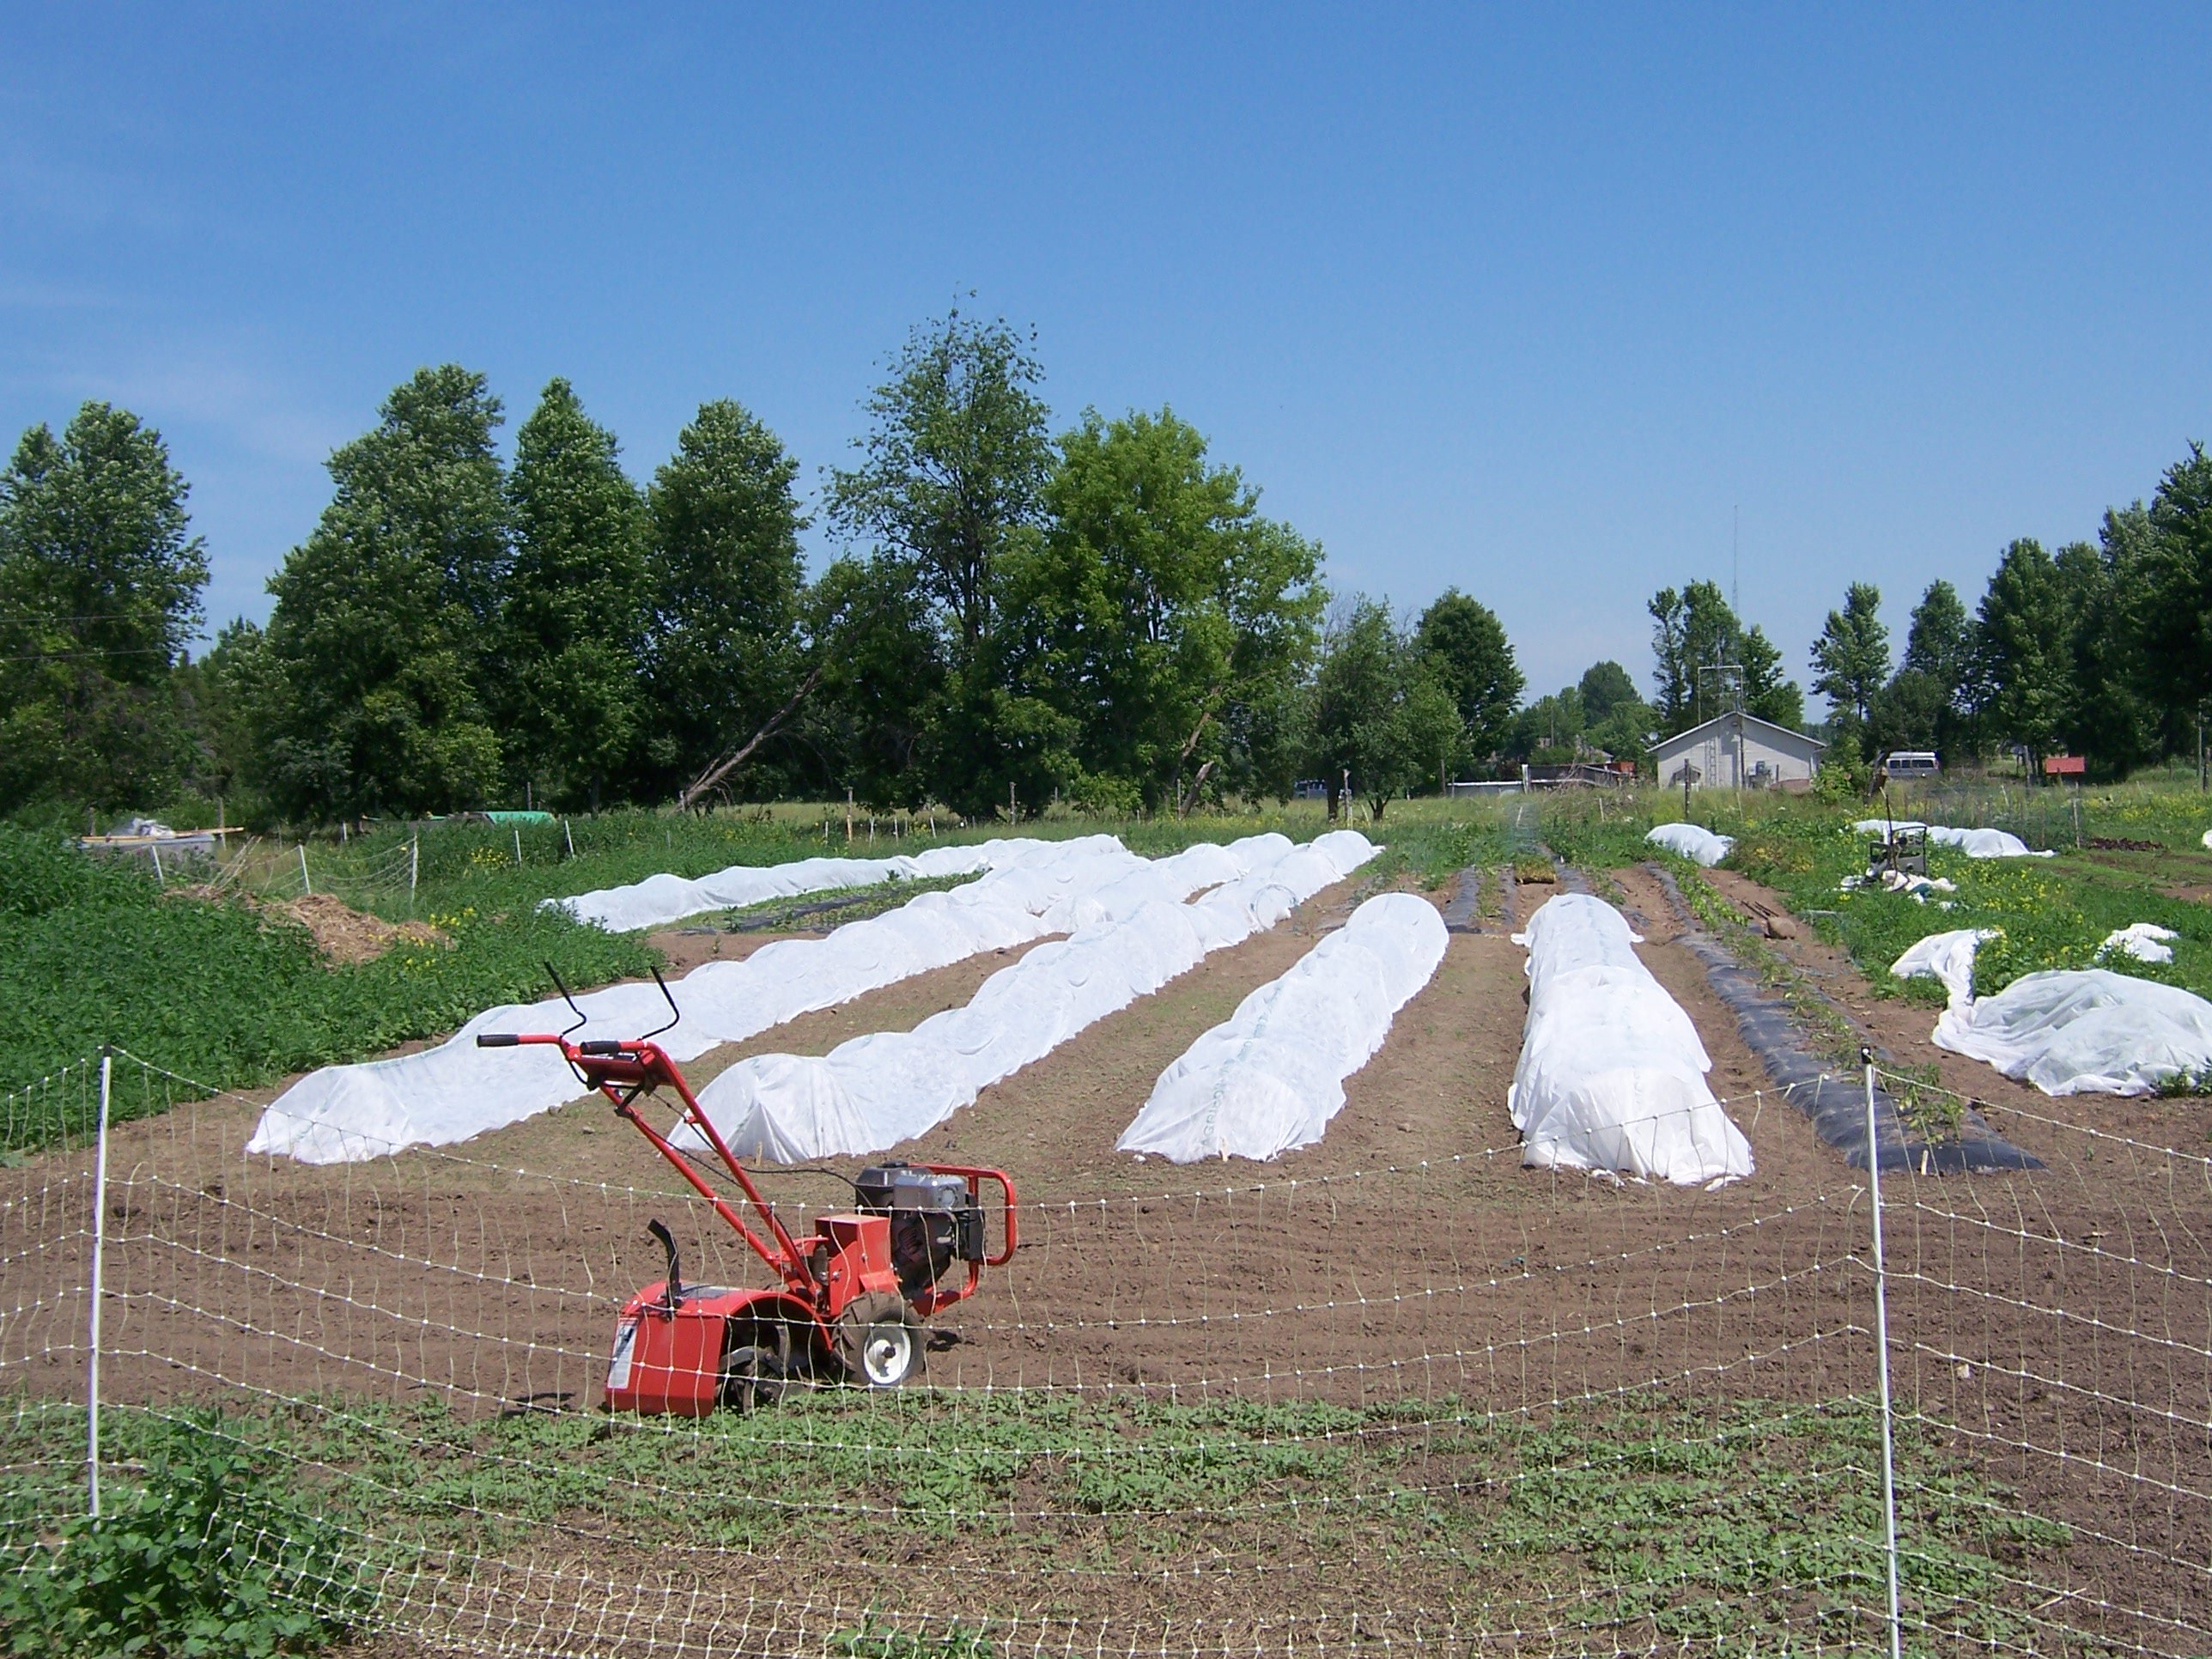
1529 301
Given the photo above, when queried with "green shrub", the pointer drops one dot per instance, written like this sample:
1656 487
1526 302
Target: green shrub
208 1556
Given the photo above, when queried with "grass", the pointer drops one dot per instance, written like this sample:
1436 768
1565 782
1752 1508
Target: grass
2052 912
1685 1519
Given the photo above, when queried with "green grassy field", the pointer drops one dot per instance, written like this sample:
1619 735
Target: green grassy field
2049 913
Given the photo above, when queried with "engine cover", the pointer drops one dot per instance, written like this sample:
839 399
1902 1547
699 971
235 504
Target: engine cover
934 1220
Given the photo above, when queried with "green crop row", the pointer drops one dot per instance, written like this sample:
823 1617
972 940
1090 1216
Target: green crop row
231 996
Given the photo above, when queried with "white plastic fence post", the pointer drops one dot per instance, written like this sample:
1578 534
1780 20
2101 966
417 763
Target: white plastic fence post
518 847
567 839
160 880
99 1242
307 885
1881 1340
414 867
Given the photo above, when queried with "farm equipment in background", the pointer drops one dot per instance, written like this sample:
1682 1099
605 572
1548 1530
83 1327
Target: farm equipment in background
852 1297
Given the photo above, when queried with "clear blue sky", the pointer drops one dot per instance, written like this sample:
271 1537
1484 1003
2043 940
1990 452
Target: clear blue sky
1525 301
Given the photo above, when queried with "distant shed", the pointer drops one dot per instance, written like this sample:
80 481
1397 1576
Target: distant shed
1738 751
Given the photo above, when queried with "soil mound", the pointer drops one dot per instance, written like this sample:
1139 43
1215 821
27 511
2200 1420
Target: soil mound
345 934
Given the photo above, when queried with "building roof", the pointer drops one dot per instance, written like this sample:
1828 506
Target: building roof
1697 734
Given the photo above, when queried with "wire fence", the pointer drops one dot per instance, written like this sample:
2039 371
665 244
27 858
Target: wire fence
1447 1405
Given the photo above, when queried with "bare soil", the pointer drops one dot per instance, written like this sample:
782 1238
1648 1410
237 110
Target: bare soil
2056 1322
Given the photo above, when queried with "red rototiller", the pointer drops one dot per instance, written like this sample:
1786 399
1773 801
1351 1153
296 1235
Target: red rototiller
853 1297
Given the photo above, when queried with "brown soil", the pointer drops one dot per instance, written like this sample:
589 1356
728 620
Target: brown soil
341 932
2057 1322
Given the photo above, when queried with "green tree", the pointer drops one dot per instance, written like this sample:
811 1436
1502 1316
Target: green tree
865 729
1604 687
954 463
1851 660
99 590
1160 610
1929 705
1766 693
950 488
2170 597
1380 713
1694 629
726 582
215 693
1939 642
2021 655
1908 713
370 697
1468 651
572 623
2107 719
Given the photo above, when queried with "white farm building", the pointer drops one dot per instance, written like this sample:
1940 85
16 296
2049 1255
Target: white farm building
1738 751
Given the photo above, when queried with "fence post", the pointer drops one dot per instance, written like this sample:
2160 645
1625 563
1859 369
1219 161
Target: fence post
1881 1341
414 867
307 885
99 1243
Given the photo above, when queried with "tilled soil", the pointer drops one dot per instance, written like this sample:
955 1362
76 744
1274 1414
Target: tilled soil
2056 1324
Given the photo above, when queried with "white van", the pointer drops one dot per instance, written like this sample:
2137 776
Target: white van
1903 765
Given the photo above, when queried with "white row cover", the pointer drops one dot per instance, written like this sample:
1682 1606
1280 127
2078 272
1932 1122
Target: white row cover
1131 938
2068 1031
1692 841
1974 843
659 900
1268 1079
1612 1073
2146 941
344 1114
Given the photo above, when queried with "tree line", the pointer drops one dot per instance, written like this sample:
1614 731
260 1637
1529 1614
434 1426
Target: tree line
1100 616
2102 650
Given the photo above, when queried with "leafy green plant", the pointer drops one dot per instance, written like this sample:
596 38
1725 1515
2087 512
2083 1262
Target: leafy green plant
207 1554
876 1640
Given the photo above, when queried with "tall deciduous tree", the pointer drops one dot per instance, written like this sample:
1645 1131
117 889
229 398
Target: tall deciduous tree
100 587
2020 650
1604 688
951 486
572 623
2109 718
1380 713
953 465
726 580
1473 659
1160 609
371 694
2171 600
1851 659
1695 629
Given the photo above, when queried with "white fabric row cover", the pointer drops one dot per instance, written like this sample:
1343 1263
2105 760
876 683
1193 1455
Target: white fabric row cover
876 1090
1268 1079
2068 1030
1612 1074
659 900
1974 843
348 1113
1692 841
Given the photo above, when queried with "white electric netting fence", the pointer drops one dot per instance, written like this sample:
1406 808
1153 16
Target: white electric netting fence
1446 1404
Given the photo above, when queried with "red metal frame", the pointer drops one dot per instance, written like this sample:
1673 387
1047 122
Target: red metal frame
670 1367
